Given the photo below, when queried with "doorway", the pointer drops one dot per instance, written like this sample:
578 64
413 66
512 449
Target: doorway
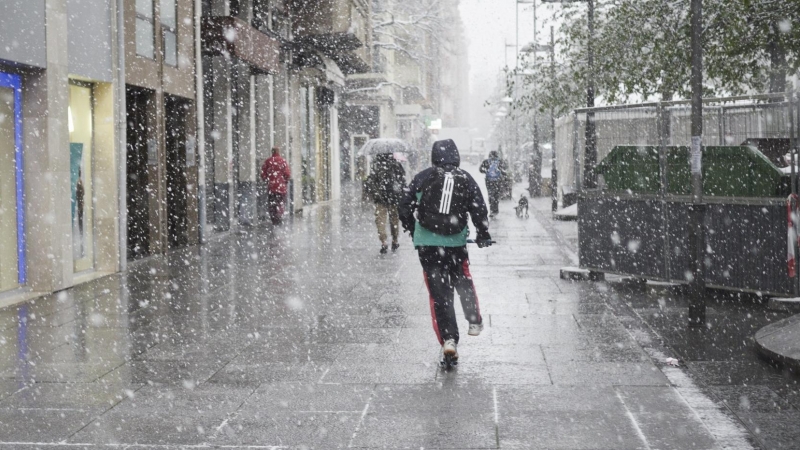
177 204
142 150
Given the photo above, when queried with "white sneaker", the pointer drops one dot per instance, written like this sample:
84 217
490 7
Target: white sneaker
475 329
449 349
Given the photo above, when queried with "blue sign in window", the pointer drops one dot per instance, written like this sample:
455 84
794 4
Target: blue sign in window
12 84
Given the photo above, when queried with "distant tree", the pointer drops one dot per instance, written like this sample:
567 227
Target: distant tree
642 49
405 25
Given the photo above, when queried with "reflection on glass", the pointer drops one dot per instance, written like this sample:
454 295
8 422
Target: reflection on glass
169 14
8 198
144 38
144 8
80 136
170 48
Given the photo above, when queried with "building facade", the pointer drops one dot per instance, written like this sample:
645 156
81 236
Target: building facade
161 182
417 82
129 128
59 144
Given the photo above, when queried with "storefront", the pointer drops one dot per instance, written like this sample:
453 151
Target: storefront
12 220
81 175
316 117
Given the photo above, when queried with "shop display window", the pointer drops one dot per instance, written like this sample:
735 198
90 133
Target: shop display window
80 148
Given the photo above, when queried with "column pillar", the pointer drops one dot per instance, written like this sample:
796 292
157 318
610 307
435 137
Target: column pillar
245 138
46 161
264 119
220 142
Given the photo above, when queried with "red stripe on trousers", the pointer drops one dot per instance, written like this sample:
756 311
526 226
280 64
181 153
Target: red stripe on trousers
465 268
433 311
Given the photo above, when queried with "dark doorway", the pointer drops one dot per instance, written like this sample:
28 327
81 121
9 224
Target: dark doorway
140 134
177 223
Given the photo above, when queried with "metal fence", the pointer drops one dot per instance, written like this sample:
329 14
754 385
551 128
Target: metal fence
726 121
646 235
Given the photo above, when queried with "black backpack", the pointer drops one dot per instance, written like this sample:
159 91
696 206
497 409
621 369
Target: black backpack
444 203
385 183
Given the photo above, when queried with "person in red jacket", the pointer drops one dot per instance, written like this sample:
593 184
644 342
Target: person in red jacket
275 172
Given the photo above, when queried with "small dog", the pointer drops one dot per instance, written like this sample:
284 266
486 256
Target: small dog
522 206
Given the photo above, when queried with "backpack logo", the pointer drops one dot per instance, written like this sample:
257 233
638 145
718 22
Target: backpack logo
494 170
445 201
447 194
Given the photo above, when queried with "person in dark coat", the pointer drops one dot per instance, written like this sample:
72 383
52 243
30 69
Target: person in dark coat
386 182
444 258
496 171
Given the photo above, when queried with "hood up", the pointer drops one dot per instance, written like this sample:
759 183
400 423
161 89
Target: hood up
445 153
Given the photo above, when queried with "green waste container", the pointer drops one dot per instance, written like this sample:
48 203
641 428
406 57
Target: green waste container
729 171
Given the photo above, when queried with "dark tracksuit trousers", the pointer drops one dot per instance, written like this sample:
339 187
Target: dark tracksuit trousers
446 269
495 190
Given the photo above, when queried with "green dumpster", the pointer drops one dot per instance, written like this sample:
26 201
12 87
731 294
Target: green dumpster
729 171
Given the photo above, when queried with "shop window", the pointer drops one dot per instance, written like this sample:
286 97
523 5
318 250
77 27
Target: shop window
145 28
280 24
309 144
12 226
235 8
261 15
169 29
80 166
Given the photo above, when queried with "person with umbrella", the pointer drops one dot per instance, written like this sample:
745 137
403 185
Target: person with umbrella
386 182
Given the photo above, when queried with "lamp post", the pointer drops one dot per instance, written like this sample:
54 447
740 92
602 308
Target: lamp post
554 169
499 117
590 153
697 302
536 158
507 100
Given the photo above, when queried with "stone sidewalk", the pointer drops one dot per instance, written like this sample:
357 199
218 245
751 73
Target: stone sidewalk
305 337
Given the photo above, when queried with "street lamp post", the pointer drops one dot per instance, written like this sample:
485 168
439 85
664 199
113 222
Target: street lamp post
590 153
554 169
537 159
697 304
534 179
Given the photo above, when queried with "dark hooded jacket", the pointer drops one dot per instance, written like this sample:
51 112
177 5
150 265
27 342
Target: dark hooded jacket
445 155
387 180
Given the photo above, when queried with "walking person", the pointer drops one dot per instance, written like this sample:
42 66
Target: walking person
276 173
386 182
495 170
442 196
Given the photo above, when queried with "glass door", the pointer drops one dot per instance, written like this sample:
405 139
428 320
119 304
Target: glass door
80 168
12 211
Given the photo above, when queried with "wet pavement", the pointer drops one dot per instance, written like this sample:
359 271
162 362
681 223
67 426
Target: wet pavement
303 336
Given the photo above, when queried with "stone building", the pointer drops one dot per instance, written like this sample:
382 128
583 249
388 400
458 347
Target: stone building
60 144
161 164
129 128
417 82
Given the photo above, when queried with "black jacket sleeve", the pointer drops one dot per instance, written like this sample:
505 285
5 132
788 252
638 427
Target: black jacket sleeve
409 204
484 166
478 211
400 174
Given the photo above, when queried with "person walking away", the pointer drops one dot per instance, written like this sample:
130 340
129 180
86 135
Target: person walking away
495 171
442 196
385 183
276 173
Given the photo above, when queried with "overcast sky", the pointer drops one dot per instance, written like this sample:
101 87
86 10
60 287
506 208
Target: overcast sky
489 26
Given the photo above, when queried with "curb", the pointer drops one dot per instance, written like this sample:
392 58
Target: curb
779 342
791 305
